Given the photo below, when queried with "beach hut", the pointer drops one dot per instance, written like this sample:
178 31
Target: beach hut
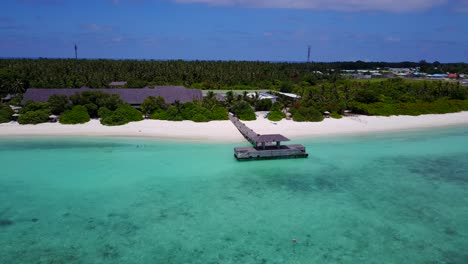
15 117
7 98
53 119
326 114
261 141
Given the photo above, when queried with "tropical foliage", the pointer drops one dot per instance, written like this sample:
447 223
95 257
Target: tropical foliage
93 100
319 92
243 110
263 105
385 97
77 115
441 106
276 115
34 117
18 74
34 106
336 115
219 113
5 113
306 114
124 114
195 111
58 104
151 104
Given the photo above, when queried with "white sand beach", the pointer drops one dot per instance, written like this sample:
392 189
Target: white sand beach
224 131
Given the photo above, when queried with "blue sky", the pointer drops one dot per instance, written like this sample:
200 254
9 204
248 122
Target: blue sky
271 30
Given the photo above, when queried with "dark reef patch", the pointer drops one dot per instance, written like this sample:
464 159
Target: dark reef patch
450 231
109 252
454 257
328 178
453 168
6 222
323 183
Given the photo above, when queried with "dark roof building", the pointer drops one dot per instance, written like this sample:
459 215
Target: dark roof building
270 138
133 96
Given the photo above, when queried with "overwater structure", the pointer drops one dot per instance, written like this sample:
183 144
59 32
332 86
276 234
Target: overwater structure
265 146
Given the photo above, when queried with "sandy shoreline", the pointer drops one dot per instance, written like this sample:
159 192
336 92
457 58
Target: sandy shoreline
224 131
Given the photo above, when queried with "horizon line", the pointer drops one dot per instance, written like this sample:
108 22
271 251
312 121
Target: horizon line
226 60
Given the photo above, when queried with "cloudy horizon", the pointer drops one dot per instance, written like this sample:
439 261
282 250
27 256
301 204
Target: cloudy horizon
275 30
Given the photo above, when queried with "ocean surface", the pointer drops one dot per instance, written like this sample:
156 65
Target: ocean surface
393 198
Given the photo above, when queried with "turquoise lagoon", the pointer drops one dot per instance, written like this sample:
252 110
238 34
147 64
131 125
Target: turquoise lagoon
394 198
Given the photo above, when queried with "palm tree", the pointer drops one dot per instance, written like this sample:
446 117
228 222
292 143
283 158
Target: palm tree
229 97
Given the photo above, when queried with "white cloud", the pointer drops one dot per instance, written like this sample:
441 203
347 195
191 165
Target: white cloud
117 39
323 38
462 6
96 28
338 5
392 39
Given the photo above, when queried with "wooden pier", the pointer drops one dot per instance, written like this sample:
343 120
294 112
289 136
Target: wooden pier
265 146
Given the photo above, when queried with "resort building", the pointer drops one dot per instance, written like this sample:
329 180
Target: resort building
132 96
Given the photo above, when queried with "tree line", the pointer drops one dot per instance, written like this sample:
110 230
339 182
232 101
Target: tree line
16 75
383 98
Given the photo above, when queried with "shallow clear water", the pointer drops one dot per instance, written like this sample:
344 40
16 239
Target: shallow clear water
400 198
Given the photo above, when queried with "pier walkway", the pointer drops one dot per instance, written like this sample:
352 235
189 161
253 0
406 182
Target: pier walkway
248 133
263 145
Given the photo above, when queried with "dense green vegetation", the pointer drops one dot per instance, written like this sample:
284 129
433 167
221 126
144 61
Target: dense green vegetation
385 97
16 75
320 92
306 114
93 100
441 106
79 108
263 105
152 104
196 111
122 115
77 115
34 117
58 104
5 113
33 106
243 110
276 115
336 115
219 113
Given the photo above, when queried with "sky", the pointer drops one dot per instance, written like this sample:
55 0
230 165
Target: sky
263 30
